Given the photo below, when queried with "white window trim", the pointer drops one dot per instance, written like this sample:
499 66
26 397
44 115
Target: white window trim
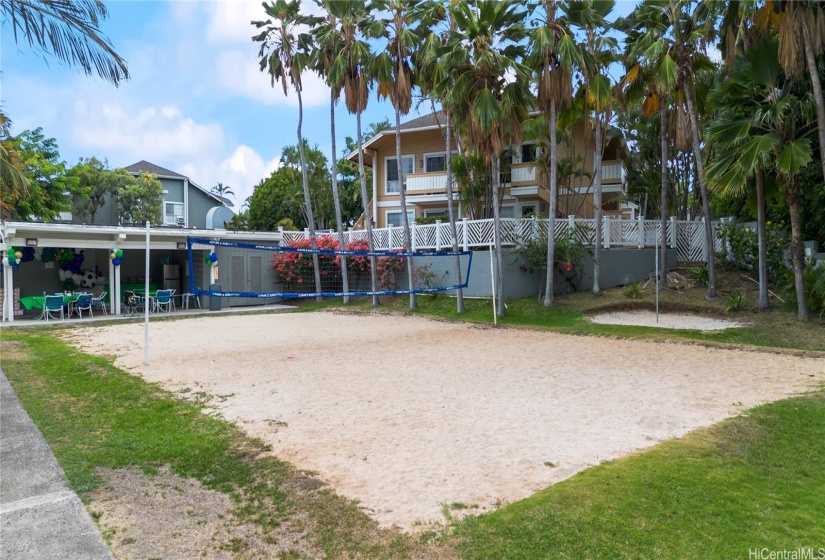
386 159
430 154
182 214
512 206
410 216
517 153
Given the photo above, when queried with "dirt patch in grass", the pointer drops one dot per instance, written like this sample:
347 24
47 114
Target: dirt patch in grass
12 350
166 516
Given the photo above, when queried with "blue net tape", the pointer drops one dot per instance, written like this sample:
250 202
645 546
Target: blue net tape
303 295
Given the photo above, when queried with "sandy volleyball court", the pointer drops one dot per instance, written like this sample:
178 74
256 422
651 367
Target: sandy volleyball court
408 415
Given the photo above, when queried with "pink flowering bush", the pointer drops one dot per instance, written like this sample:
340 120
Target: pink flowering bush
295 271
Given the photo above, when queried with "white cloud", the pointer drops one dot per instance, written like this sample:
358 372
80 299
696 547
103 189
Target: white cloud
241 170
230 21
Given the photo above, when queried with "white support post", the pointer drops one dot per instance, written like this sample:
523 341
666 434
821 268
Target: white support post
412 237
112 299
438 235
704 244
641 231
673 232
306 233
212 278
571 226
465 234
281 231
8 293
389 237
606 232
117 290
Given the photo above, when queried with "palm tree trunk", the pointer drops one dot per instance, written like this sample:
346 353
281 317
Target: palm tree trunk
663 202
597 203
402 191
459 293
337 200
797 251
551 222
366 204
497 236
307 202
700 180
762 237
816 85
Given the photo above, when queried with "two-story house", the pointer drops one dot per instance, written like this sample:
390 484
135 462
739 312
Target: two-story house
526 191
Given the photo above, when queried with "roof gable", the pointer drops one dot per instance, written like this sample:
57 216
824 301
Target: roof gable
144 166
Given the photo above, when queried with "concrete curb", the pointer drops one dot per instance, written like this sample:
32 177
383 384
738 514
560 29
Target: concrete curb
40 517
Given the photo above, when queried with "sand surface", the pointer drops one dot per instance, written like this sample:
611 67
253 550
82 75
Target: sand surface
408 415
666 320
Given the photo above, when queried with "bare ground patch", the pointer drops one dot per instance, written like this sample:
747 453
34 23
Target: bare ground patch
165 516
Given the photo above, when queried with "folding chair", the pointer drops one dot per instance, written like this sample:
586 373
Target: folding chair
131 301
98 303
53 305
83 303
163 300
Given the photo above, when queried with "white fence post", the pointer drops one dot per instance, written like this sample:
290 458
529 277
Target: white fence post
704 244
389 237
412 237
465 234
306 233
672 232
606 233
571 226
641 232
438 235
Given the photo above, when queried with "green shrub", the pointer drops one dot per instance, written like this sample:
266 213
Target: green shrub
700 275
735 303
532 253
634 290
743 243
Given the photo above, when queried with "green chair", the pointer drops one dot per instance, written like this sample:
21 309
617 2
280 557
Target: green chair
53 305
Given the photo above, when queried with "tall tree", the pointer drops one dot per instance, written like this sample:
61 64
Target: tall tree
137 199
13 182
69 30
598 52
491 95
328 41
395 80
352 66
284 54
763 130
98 183
553 54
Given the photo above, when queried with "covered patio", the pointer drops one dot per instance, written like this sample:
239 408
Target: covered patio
70 258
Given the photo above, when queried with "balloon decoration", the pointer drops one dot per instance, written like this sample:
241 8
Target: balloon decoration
212 259
116 255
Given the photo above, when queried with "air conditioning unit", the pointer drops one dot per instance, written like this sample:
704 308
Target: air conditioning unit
181 221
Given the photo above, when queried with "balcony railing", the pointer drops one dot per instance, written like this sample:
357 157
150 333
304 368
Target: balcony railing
426 182
523 173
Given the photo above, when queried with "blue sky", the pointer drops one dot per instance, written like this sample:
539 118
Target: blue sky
196 102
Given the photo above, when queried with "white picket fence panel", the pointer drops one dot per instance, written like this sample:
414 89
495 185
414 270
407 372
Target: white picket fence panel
687 237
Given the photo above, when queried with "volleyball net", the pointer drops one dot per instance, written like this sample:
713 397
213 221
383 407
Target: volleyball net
269 271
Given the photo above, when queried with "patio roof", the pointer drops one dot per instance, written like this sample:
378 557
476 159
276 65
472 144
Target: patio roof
125 237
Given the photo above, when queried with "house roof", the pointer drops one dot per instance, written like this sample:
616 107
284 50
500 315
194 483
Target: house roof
430 121
148 167
144 166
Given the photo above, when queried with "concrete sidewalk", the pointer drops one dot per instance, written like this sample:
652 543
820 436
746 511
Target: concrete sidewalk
40 518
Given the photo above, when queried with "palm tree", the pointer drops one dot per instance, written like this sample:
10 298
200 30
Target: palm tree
552 55
351 66
395 80
328 40
651 75
763 129
13 183
432 69
283 55
598 52
70 30
223 192
489 107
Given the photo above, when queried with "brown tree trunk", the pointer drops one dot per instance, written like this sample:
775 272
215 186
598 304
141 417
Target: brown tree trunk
700 180
797 251
816 85
366 204
597 203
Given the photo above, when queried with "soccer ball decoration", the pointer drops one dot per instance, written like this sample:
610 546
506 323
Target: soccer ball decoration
116 256
87 279
212 259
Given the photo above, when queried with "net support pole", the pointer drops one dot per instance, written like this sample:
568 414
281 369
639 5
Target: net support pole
146 297
657 275
493 285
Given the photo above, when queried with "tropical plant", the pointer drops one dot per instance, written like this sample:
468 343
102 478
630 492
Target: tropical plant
223 192
553 53
284 54
634 290
328 40
598 51
735 302
352 67
97 183
395 80
13 182
490 95
771 139
69 30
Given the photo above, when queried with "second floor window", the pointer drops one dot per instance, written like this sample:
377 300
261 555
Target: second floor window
528 153
435 162
173 214
393 184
